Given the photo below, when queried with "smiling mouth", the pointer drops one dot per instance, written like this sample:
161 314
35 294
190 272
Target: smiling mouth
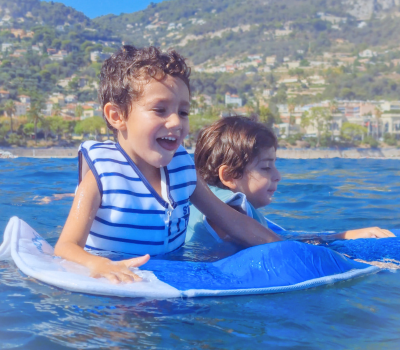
170 143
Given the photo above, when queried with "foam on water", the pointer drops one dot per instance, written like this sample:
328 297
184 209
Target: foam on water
315 195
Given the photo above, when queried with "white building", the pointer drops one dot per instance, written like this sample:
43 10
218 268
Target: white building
96 56
24 99
367 53
233 100
21 108
6 46
71 99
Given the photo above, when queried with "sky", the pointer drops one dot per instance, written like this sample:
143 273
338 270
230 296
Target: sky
96 8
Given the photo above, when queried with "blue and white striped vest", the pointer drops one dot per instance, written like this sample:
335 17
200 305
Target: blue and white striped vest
133 218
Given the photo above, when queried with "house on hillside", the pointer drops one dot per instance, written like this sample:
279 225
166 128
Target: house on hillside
89 111
367 53
4 94
24 99
270 60
231 99
71 99
21 108
6 47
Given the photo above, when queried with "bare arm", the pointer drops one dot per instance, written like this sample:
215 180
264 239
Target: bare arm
240 227
76 230
369 232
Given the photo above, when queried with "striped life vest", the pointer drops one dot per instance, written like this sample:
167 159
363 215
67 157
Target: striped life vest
133 218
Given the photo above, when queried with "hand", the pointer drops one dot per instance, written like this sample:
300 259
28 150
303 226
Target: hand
369 232
118 271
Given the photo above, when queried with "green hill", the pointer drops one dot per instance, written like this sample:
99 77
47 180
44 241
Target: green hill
48 47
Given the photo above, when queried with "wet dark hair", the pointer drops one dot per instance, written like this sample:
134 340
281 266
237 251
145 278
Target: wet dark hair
231 141
124 74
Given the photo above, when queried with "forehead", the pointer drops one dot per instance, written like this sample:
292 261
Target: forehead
168 87
266 154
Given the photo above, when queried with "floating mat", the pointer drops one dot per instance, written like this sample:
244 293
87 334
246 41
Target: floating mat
270 268
385 250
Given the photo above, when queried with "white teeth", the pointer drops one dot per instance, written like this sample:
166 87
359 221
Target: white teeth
169 138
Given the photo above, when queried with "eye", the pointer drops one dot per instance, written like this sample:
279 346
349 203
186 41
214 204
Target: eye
159 110
266 168
184 114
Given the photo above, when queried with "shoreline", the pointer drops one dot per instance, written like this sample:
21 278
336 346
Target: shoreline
286 153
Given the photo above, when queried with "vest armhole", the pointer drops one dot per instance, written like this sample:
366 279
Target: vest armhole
86 160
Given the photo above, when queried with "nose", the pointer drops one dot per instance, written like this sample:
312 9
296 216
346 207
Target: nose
174 121
277 175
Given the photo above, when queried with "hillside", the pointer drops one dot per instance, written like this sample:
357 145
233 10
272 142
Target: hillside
44 43
228 28
49 47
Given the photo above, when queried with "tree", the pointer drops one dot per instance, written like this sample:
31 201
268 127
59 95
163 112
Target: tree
78 111
9 107
378 115
34 115
91 125
319 118
58 125
350 130
266 116
56 110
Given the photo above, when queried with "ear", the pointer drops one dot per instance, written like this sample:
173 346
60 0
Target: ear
225 179
114 116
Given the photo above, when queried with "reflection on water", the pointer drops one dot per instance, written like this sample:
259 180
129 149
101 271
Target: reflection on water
314 195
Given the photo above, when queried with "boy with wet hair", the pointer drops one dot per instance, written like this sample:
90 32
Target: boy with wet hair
236 157
133 194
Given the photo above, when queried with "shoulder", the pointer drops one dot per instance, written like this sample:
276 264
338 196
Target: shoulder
93 145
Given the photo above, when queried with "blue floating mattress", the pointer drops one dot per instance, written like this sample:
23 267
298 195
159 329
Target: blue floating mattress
270 268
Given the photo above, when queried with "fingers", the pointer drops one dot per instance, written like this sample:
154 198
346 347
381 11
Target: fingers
136 262
119 277
382 233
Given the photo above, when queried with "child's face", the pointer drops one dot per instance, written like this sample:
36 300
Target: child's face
158 122
260 179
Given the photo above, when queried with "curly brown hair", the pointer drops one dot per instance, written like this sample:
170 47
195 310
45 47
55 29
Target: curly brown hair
124 74
231 141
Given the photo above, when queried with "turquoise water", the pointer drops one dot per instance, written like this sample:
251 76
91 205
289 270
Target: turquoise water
314 195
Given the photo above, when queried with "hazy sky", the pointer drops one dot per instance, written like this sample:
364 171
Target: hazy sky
95 8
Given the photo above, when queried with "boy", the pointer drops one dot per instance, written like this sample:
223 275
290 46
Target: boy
133 195
236 157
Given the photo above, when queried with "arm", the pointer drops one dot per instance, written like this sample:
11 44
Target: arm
240 227
76 230
369 232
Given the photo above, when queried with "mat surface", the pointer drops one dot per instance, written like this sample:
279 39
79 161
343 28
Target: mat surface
271 268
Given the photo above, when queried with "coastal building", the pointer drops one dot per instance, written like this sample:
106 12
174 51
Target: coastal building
4 94
231 99
367 53
6 47
71 99
89 111
96 56
21 108
391 124
24 99
293 64
57 98
270 60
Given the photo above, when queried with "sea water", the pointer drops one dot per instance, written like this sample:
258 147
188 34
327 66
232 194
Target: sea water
314 195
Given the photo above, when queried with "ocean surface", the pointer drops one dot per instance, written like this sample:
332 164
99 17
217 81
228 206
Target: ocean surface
314 195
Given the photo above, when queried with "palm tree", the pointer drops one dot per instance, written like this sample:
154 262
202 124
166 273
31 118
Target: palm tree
320 118
35 117
56 110
78 111
10 110
378 115
333 106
